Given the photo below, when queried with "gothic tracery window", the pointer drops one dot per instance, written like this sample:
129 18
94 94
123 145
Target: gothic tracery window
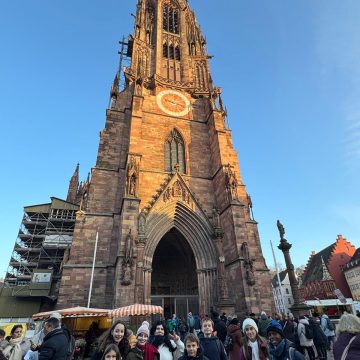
171 19
174 152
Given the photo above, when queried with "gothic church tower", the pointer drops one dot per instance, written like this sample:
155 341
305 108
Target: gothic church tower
166 196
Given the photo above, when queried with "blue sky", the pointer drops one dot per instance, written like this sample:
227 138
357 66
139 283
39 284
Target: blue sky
290 73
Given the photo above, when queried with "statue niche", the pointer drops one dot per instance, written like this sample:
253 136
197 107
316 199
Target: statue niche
132 177
128 261
248 264
231 183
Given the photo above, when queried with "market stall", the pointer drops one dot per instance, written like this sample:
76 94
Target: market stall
79 319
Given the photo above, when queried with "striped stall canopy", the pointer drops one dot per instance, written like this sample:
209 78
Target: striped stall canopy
136 309
73 312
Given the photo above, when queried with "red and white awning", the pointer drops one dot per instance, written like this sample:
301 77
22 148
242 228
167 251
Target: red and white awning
73 312
136 309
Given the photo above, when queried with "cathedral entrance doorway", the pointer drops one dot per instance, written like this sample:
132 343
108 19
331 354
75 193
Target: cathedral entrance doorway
174 284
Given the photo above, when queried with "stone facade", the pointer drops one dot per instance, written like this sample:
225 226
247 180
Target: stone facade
166 163
352 275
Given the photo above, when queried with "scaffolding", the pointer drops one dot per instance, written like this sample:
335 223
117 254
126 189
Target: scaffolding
44 237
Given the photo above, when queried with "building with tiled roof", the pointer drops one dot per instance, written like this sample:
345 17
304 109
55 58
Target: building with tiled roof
282 293
323 273
352 275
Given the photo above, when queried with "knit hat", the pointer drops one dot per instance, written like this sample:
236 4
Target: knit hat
55 315
144 328
249 322
275 326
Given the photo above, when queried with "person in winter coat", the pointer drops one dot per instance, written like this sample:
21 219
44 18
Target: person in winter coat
55 345
320 339
115 335
306 344
211 345
143 350
254 347
17 346
330 333
279 347
190 321
193 349
348 334
236 336
169 345
219 326
263 323
290 329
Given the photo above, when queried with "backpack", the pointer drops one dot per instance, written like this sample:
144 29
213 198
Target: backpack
330 325
228 343
309 331
291 353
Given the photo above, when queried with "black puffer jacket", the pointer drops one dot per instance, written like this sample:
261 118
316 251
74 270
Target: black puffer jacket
55 346
199 356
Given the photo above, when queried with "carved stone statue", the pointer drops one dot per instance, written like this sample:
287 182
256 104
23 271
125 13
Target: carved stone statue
128 260
129 247
132 176
126 278
132 185
281 229
231 183
141 223
250 206
216 218
248 264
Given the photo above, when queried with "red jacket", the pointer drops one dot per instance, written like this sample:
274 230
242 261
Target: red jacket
236 334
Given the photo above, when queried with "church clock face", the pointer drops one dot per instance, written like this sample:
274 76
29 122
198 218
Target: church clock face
173 102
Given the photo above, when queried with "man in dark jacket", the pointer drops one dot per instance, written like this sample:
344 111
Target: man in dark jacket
219 326
55 345
320 339
263 323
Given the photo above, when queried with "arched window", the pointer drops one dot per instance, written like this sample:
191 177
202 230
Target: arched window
171 52
165 50
177 53
174 152
170 19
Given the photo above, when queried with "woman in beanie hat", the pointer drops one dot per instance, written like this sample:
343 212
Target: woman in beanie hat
281 348
143 350
254 347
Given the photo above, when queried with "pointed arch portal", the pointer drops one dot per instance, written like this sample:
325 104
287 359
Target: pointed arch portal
174 283
179 260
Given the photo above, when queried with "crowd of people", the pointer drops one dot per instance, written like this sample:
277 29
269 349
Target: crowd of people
197 338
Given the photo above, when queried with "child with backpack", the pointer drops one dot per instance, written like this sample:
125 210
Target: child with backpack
306 336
